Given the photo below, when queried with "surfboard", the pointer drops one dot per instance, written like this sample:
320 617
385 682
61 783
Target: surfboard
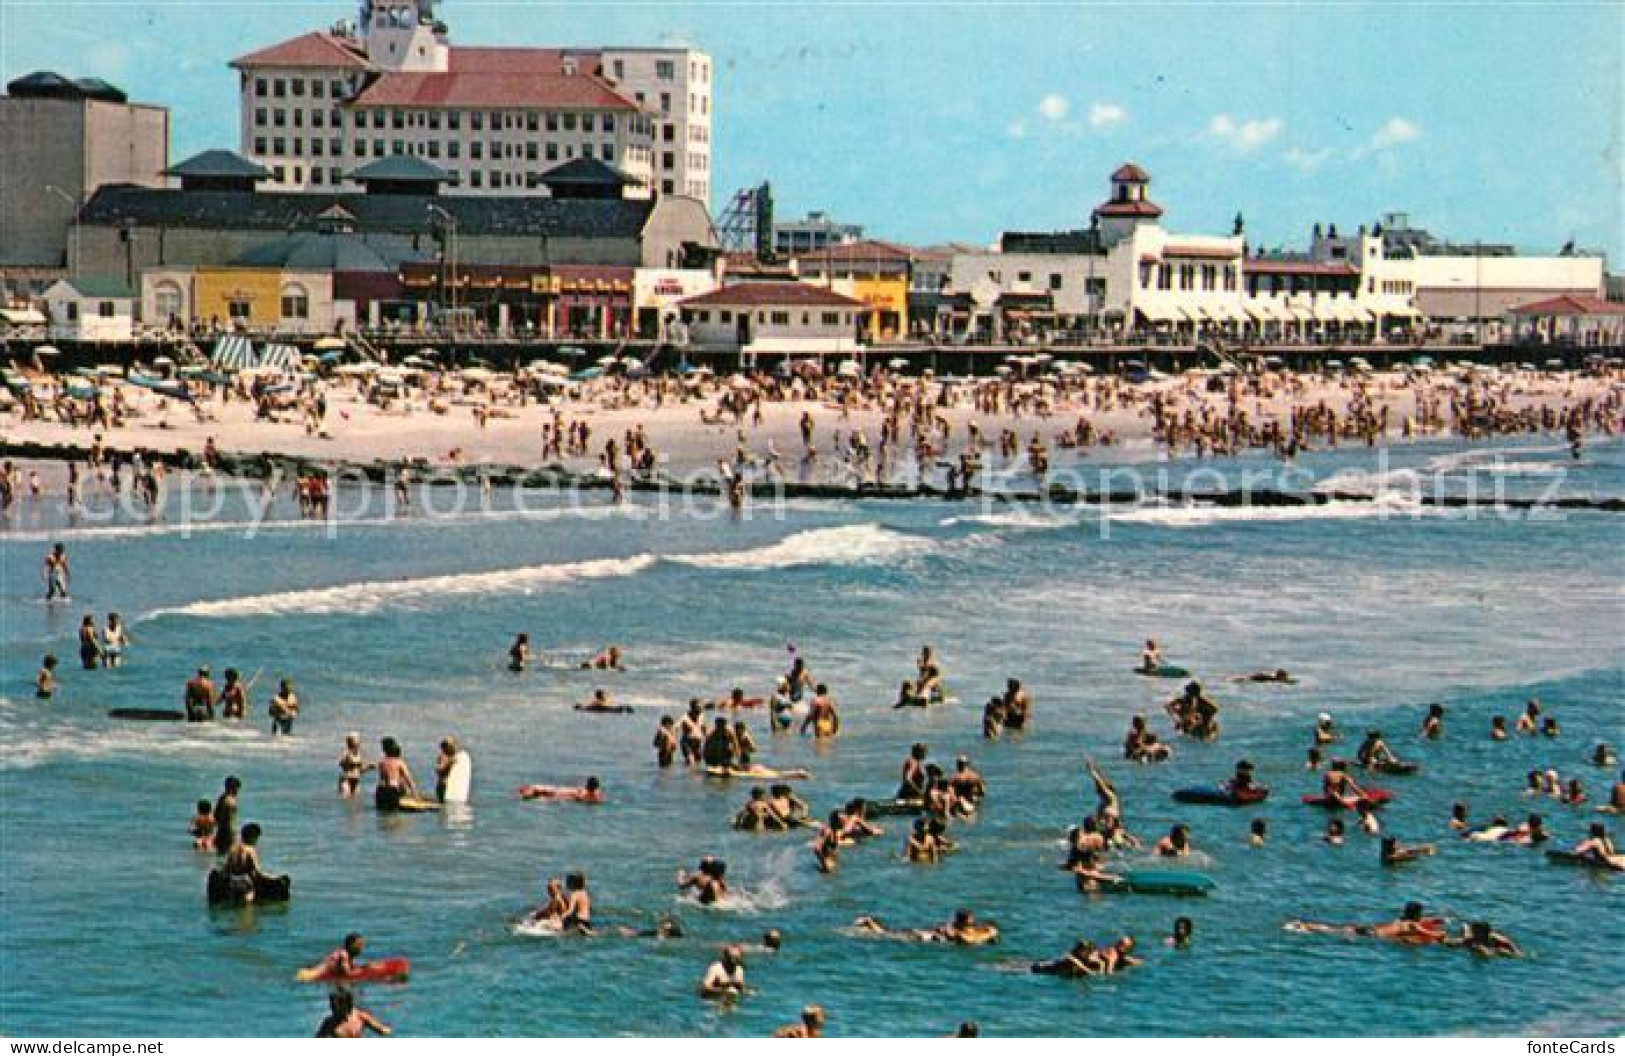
147 714
411 805
761 773
1165 671
613 709
1165 882
457 781
383 970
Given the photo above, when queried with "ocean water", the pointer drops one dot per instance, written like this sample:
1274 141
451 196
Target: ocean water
399 626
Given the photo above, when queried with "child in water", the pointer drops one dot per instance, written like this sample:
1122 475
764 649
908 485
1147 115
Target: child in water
203 826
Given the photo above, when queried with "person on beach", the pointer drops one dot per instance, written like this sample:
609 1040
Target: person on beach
90 647
519 653
347 1020
57 574
114 640
284 708
395 781
352 765
199 697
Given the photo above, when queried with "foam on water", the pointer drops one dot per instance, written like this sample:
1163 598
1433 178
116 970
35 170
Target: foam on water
1017 519
856 544
1381 507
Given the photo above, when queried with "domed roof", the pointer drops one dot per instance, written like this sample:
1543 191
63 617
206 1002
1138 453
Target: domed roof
1131 173
43 84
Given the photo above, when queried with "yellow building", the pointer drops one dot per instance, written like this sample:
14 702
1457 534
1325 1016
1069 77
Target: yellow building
268 300
875 273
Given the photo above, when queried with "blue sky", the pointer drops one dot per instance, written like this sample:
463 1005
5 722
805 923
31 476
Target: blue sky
937 121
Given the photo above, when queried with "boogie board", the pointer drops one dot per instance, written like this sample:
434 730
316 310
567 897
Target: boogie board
413 805
613 709
1375 796
457 781
1219 796
383 970
1164 882
266 889
893 808
148 714
1584 861
1397 768
1165 671
760 773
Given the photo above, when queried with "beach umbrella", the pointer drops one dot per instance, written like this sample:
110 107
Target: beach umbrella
1001 369
47 350
476 374
849 368
572 352
897 364
279 357
608 361
631 362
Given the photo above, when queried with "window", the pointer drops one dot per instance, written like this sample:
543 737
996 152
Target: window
586 122
297 86
259 116
665 102
259 87
316 89
295 302
552 151
474 177
335 89
1187 276
620 70
607 152
1165 277
668 131
238 308
454 149
1210 276
666 187
831 319
315 119
454 120
725 316
298 174
434 149
1055 280
279 118
665 69
166 299
496 178
609 122
496 120
259 145
397 146
781 318
1230 278
71 310
1024 276
397 120
552 122
335 146
277 173
105 309
316 176
377 148
476 120
298 119
279 88
668 160
377 119
530 151
570 122
476 150
533 121
279 146
333 176
315 148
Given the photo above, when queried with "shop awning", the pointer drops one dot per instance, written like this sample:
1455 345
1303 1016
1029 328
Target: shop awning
22 316
280 357
1158 313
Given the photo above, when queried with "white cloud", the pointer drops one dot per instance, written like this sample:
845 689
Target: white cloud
1394 131
1306 160
1016 130
1103 115
1053 107
1246 135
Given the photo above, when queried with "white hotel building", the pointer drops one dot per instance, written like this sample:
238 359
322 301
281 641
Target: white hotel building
317 106
1127 274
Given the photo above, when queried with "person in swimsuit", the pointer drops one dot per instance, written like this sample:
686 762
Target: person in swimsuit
912 785
608 660
56 573
345 1020
811 1025
1181 937
1598 847
114 640
442 767
708 881
1177 844
691 733
233 696
577 915
747 744
1395 853
1336 785
758 814
665 742
394 778
966 783
225 815
352 764
822 717
90 647
1480 938
1374 751
1529 720
1018 705
1433 725
798 680
1498 728
791 807
242 865
1150 657
826 848
344 962
202 828
284 709
725 978
45 679
1325 729
519 653
1078 962
199 697
721 746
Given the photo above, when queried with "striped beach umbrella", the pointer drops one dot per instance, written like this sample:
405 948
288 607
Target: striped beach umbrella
233 352
280 357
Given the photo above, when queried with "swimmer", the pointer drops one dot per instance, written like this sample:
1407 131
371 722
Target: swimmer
45 684
1180 939
1528 721
1598 847
1411 929
1433 725
1481 939
519 653
708 882
1458 817
343 963
233 696
346 1020
601 702
1280 676
1334 832
1257 832
591 791
1326 731
822 717
202 827
284 709
1081 960
1374 752
1602 755
199 697
963 930
759 815
1498 728
1395 853
725 978
90 647
1150 657
1177 844
665 742
826 847
607 660
1018 705
811 1024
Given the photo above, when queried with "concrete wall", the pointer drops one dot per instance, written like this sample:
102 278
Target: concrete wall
76 146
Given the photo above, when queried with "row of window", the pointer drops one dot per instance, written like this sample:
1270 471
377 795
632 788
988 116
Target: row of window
1267 284
452 150
1395 287
478 179
1189 276
453 120
277 117
296 87
724 315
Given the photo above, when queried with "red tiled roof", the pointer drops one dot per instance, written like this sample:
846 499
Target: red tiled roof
1202 252
520 60
1570 304
869 249
772 294
1264 266
313 50
1150 209
1131 173
494 90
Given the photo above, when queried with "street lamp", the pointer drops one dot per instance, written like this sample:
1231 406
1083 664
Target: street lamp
73 232
448 257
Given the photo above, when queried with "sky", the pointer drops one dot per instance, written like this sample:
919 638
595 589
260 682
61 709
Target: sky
931 122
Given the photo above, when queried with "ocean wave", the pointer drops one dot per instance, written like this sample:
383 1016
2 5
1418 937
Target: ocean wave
1370 482
1018 519
360 599
849 545
1383 506
856 544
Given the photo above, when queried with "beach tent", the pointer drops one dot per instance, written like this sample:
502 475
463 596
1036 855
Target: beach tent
233 352
280 357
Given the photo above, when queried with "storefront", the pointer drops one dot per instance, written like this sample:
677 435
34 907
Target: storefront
585 302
